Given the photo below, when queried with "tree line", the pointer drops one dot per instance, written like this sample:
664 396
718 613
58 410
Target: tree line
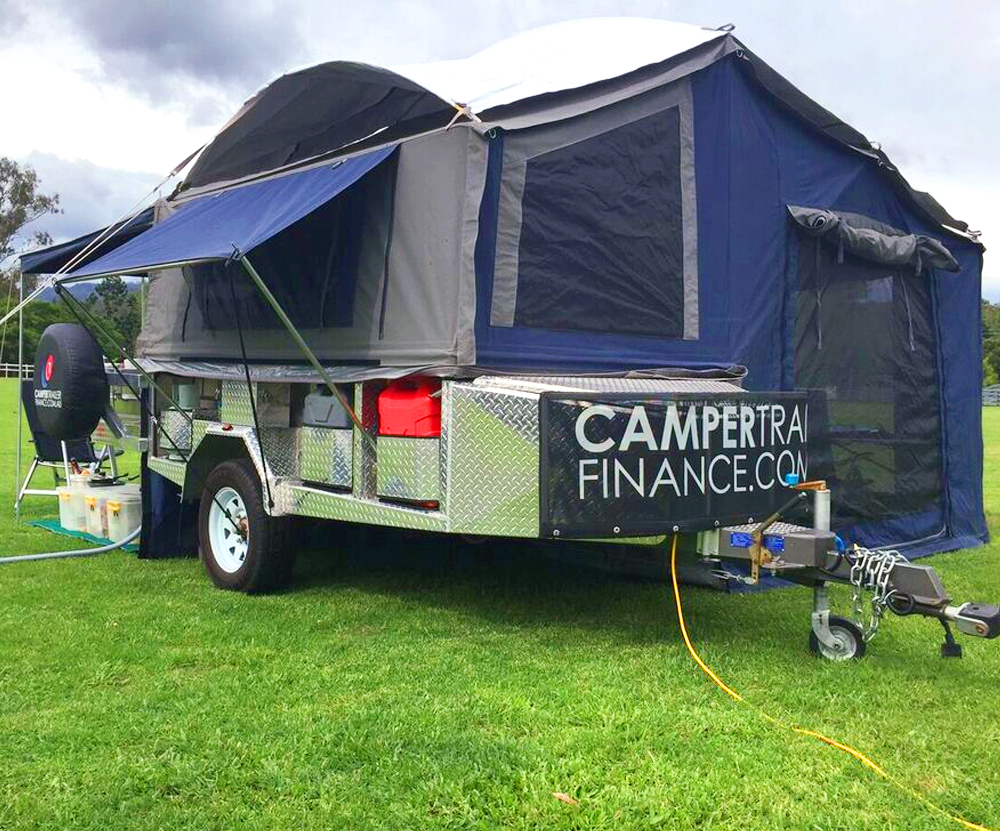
111 302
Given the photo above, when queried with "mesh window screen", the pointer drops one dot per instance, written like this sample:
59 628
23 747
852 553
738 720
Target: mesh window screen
601 246
864 334
312 267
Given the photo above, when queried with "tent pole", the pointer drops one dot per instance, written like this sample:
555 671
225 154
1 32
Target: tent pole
20 381
300 342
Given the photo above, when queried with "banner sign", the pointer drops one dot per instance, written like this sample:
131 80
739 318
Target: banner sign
626 465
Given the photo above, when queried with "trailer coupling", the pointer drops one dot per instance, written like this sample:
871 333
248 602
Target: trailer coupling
888 581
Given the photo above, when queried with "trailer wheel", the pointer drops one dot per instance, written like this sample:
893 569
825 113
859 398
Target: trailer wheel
850 641
247 550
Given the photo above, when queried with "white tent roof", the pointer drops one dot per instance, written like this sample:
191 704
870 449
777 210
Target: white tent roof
557 57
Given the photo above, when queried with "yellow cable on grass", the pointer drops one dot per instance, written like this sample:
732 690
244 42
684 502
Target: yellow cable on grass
850 751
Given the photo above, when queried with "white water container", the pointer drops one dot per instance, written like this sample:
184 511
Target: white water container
124 512
72 509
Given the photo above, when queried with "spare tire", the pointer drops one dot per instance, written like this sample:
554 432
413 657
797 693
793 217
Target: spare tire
71 387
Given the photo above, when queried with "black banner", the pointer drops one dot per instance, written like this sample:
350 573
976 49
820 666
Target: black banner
627 465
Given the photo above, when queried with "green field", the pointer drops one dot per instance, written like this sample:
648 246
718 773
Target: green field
401 685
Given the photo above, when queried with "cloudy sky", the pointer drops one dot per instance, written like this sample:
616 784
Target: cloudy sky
103 97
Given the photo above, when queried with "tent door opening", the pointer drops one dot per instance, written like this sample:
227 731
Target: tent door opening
865 334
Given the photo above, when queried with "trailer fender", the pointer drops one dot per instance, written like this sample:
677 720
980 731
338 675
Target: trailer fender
219 445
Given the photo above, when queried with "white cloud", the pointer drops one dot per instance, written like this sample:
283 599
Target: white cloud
64 105
90 196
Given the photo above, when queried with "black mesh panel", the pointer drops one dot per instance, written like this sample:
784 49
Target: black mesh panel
601 245
864 334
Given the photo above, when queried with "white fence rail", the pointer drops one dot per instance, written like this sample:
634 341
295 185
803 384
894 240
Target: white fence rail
991 396
10 370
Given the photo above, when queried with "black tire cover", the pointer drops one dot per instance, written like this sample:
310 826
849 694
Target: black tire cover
71 387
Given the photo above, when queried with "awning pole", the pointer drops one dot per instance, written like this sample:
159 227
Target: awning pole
71 302
300 342
20 382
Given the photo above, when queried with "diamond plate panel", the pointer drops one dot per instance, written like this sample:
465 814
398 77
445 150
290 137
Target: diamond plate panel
302 500
235 406
273 404
174 471
326 455
408 468
173 433
491 481
198 430
280 445
365 471
540 383
445 444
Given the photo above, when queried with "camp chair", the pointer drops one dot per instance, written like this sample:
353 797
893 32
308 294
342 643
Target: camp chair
55 454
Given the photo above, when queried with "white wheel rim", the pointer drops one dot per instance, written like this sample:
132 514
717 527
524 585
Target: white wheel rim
229 548
845 647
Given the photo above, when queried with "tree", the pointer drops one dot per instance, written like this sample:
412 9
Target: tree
21 203
37 316
118 309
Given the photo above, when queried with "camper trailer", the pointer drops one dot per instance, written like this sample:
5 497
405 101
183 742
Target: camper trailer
611 280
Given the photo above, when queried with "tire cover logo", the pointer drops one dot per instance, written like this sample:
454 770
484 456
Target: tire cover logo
50 364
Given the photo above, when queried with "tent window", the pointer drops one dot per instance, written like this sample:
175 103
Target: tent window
312 267
878 366
601 244
597 223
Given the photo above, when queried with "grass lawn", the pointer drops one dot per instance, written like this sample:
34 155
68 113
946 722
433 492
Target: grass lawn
460 687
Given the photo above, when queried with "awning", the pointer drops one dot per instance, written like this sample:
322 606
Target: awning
51 259
206 229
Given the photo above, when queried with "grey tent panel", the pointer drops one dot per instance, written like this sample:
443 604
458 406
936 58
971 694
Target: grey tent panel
418 311
523 146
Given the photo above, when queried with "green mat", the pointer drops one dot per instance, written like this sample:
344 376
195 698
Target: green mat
54 526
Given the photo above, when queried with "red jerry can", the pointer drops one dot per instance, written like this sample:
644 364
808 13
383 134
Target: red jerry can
410 407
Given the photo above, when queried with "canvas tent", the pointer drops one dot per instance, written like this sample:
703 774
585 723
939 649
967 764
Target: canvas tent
598 196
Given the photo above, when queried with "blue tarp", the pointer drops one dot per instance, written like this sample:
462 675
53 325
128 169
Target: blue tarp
206 229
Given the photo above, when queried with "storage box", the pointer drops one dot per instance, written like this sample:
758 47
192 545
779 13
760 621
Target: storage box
124 513
409 468
95 502
326 456
72 509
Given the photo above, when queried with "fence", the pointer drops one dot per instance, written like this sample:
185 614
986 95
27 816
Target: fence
10 370
991 396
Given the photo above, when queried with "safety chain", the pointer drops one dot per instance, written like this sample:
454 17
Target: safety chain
870 571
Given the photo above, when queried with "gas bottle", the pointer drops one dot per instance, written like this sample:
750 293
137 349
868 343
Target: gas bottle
410 407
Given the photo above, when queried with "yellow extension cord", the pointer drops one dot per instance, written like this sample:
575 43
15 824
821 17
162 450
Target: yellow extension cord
857 754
